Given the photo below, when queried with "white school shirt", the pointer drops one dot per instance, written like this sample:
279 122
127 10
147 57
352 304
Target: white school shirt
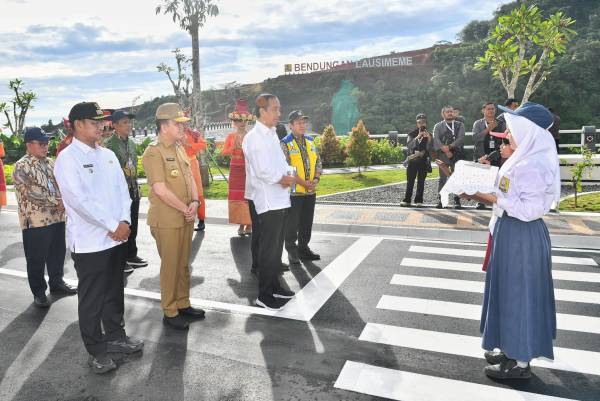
95 195
529 193
265 165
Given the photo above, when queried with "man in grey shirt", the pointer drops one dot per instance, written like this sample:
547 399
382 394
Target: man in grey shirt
448 142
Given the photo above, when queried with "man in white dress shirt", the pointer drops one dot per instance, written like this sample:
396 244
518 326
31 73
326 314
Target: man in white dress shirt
97 203
267 187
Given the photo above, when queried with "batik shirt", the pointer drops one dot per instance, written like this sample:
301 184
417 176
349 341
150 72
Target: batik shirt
38 196
125 150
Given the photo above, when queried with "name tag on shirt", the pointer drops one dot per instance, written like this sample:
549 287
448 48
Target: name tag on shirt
504 184
170 159
492 144
89 167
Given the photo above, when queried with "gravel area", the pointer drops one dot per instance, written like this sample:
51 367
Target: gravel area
395 194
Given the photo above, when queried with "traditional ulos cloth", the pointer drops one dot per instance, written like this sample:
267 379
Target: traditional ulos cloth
239 212
194 145
519 314
2 178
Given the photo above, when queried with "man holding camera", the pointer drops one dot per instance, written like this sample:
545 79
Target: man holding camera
419 144
448 141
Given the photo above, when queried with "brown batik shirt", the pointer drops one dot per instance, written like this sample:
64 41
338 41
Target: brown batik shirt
38 196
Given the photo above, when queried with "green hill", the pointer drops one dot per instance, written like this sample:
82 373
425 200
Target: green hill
390 98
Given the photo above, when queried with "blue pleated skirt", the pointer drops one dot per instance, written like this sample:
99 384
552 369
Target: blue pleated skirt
519 314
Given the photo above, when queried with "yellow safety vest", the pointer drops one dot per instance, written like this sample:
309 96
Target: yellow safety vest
296 158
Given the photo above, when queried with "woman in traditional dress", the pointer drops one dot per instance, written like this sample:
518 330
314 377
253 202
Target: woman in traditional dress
2 178
518 315
194 143
239 212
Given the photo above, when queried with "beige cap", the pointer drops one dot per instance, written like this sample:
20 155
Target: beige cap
171 111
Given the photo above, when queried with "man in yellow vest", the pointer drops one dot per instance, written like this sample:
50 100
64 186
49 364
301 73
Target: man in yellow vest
301 153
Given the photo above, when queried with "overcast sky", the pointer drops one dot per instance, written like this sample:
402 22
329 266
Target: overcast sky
107 51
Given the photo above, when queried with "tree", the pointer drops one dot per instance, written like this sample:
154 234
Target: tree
580 168
181 86
330 150
358 147
523 43
16 109
191 16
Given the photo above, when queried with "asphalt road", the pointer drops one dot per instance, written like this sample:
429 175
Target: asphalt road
375 318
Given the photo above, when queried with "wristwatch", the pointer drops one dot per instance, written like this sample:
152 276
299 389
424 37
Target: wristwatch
195 200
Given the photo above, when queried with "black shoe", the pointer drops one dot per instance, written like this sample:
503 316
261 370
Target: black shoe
307 254
508 370
64 288
41 301
283 293
137 262
271 303
201 226
128 269
101 364
127 345
177 322
405 204
494 358
196 313
480 206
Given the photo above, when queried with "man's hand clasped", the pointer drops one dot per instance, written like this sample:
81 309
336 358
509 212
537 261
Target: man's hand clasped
121 234
190 212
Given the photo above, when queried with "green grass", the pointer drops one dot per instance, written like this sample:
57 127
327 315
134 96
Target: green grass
330 183
585 203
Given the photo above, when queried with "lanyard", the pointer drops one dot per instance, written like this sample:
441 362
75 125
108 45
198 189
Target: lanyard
450 128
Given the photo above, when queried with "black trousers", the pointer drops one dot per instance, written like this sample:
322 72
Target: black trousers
418 171
44 247
255 237
300 221
132 249
271 231
100 292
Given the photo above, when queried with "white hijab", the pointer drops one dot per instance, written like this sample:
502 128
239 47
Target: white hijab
536 146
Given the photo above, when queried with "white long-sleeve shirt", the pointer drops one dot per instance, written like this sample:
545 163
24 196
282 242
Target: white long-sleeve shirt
95 196
265 165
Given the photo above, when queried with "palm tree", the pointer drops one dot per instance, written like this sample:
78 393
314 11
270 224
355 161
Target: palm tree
191 16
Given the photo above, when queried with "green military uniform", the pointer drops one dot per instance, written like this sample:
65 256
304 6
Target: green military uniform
170 165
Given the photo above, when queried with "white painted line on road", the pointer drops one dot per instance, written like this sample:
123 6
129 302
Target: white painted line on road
475 253
303 306
478 286
408 386
586 324
316 292
567 275
567 359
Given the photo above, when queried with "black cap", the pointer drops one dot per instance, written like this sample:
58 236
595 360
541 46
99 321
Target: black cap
35 134
87 111
120 114
296 115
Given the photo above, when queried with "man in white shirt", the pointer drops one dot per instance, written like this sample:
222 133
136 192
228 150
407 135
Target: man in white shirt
267 183
97 203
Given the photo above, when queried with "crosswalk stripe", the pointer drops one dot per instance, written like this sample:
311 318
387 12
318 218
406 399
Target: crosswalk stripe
476 268
476 253
478 287
567 359
408 386
586 324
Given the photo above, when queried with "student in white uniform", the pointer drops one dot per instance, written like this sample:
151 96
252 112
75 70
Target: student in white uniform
519 315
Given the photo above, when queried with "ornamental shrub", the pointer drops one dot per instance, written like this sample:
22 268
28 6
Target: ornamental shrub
358 147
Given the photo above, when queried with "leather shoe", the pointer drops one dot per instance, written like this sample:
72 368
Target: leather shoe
494 358
307 254
101 364
176 322
64 288
201 226
41 301
508 370
190 311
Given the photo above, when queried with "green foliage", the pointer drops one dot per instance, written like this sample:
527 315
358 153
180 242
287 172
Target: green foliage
523 43
221 159
585 165
141 148
586 203
382 152
16 108
358 147
8 170
332 154
14 147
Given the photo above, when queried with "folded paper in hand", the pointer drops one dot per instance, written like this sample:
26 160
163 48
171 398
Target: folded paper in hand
469 178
